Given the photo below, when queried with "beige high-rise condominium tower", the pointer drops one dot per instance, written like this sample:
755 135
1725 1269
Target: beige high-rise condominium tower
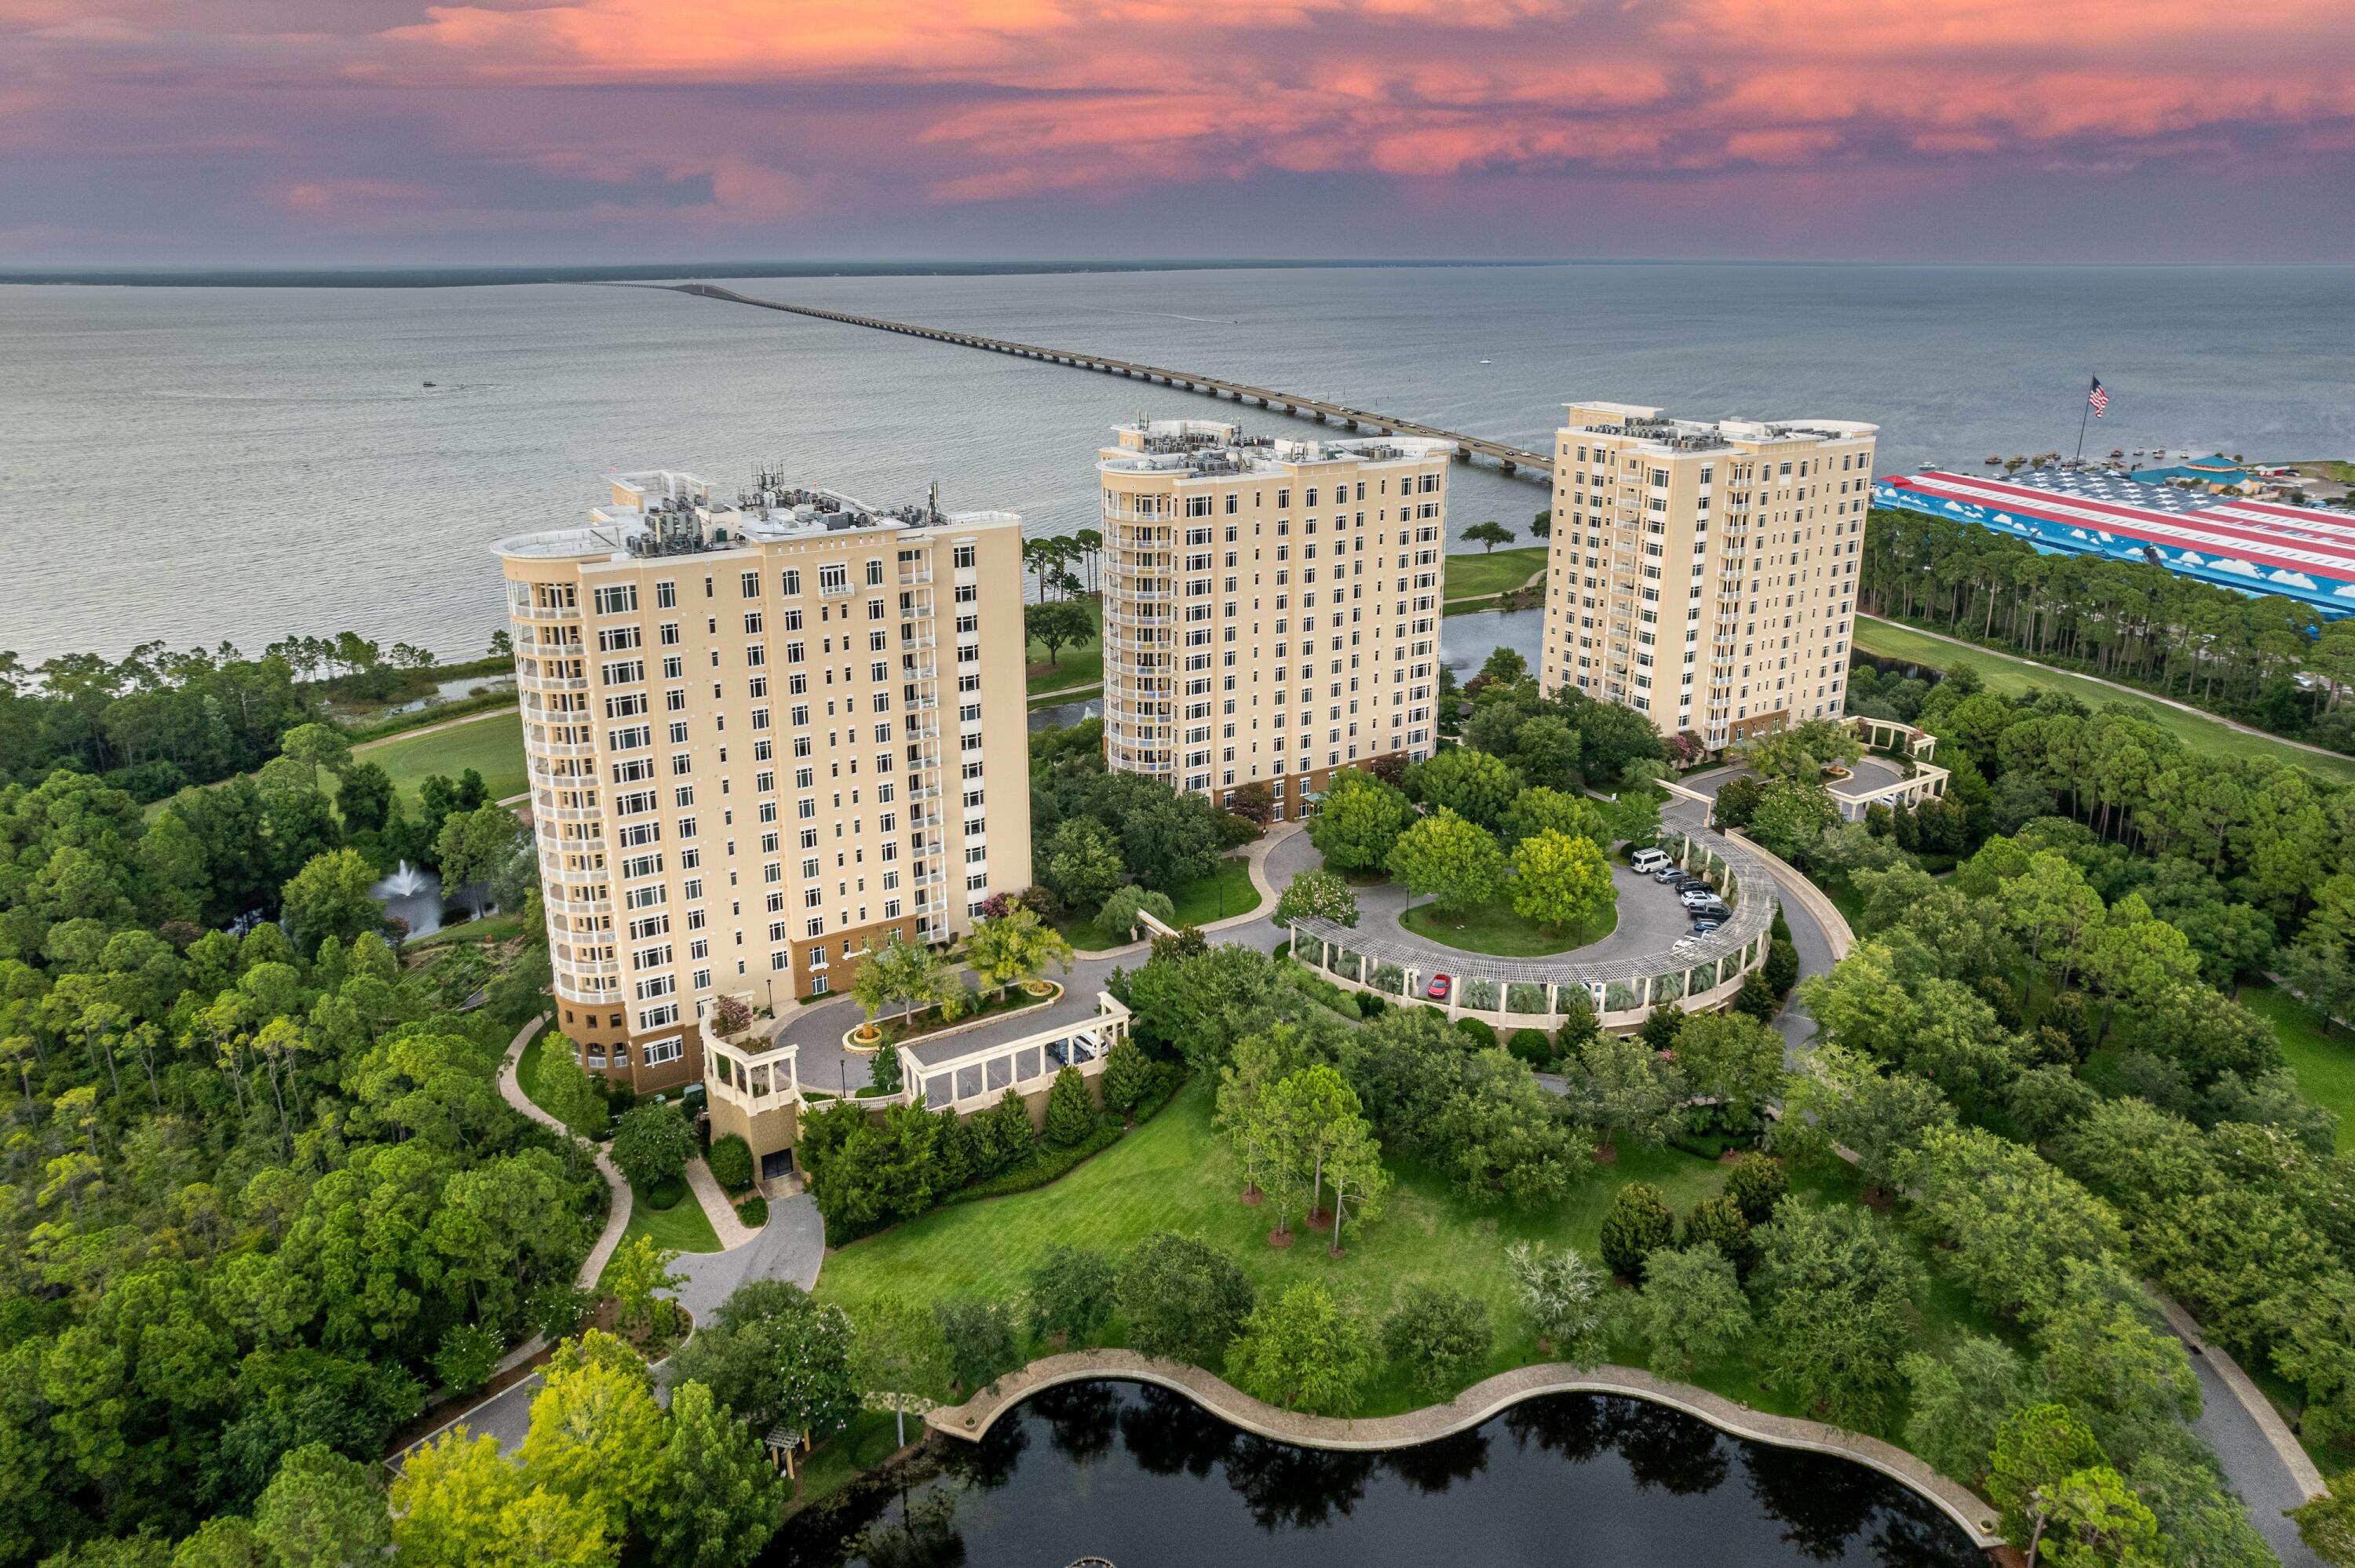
763 735
1704 574
1271 606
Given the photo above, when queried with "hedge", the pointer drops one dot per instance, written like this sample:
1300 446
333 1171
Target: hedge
1478 1029
1051 1165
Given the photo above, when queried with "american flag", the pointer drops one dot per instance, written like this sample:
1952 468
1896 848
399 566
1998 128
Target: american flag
2097 398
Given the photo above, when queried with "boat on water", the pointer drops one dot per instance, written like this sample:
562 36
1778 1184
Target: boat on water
429 384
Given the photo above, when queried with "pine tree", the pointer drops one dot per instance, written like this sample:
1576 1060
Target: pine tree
1637 1222
1127 1076
720 1502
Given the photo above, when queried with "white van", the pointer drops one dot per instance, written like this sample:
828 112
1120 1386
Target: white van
1647 861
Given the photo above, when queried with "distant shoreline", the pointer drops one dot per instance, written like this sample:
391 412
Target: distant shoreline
634 273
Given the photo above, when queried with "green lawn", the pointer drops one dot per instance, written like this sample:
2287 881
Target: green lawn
2013 676
1198 902
682 1227
492 745
1495 929
490 928
528 1067
1074 664
1494 571
1175 1174
2324 1062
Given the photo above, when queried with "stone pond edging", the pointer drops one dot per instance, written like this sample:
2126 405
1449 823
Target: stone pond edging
973 1419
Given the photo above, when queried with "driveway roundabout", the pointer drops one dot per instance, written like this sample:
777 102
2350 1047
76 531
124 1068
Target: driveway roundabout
1649 959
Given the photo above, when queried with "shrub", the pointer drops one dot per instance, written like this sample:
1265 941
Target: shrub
557 1310
731 1163
885 1071
1756 1184
652 1144
729 1016
1482 1036
753 1211
1638 1224
1070 1115
1720 1223
1051 1166
467 1358
1127 1076
1441 1337
1531 1047
1781 967
1372 1004
1071 1292
664 1194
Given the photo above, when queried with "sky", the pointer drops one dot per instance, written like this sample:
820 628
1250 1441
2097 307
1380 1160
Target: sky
277 133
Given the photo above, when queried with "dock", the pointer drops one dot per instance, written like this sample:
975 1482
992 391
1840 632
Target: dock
1518 461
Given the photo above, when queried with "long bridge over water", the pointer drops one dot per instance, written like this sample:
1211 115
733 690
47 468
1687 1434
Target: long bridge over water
1513 460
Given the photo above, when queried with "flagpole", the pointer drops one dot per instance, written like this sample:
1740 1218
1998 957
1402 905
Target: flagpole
2084 415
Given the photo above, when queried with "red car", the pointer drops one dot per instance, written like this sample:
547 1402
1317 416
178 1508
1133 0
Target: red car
1437 989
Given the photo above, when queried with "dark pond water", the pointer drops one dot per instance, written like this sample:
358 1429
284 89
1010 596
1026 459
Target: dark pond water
1143 1478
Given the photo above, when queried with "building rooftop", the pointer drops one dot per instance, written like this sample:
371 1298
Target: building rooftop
1208 447
661 512
1658 432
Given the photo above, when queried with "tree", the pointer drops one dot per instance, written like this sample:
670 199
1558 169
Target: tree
1637 1225
719 1501
1354 1174
1249 1114
1122 912
1170 839
1488 535
899 1360
1960 1401
1071 1116
474 847
1358 821
1080 864
652 1144
908 973
1734 1059
1014 948
1057 622
1560 881
329 897
596 1432
980 1338
2035 1450
2326 1524
1835 1296
322 1510
1302 1352
1756 1183
1541 526
1542 809
365 798
1183 1297
468 1357
1473 785
1441 1338
638 1272
1564 1293
1621 1088
1792 817
776 1357
458 1503
1719 1222
1316 896
1691 1311
1128 1076
1453 860
1071 1293
1844 1099
566 1092
317 745
1802 751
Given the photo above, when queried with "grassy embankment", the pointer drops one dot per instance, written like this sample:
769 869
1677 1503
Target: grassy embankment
2012 676
1176 1173
1474 582
2323 1058
1200 902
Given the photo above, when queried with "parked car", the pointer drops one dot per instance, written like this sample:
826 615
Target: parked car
1704 924
1698 894
1718 912
1647 861
1672 876
1437 989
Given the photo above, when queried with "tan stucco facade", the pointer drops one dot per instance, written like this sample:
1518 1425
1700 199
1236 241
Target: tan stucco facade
761 735
1270 607
1705 573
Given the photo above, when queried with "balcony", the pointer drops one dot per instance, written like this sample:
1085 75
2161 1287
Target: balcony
550 683
543 612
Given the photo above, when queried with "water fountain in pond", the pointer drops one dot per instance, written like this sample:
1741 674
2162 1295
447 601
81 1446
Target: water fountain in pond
404 882
414 894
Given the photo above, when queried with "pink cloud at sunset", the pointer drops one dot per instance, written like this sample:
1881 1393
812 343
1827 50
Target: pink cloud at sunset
399 130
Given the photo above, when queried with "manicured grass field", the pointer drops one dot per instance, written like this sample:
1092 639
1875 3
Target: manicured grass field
682 1227
1222 896
492 745
1495 929
2013 676
1494 572
1075 664
2324 1062
1176 1173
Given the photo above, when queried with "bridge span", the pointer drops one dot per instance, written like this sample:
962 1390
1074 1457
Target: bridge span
1513 460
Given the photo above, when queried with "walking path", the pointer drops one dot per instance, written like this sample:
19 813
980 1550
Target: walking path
1090 690
431 729
2118 686
973 1419
617 1218
732 1232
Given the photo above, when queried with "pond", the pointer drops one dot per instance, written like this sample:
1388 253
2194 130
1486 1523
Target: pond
1143 1478
1467 640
